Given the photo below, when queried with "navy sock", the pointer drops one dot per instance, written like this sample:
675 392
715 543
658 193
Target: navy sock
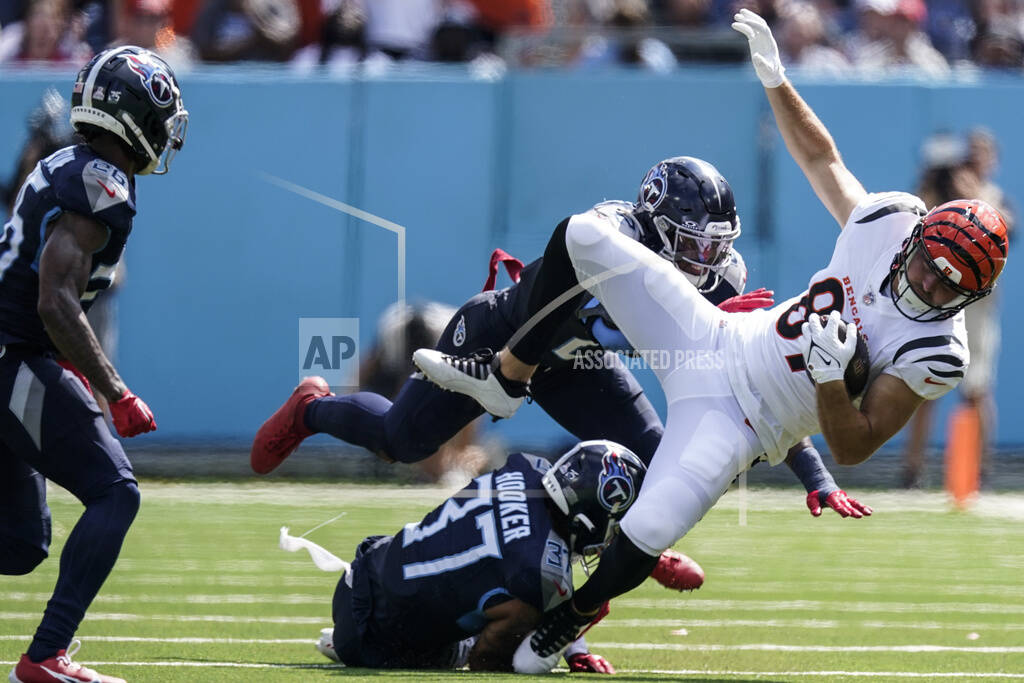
356 418
85 562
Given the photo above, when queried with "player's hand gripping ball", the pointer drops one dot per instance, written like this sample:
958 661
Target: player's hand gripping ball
830 356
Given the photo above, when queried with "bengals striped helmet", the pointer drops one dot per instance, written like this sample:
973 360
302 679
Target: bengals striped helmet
964 244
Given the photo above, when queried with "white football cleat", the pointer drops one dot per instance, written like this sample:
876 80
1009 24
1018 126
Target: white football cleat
476 376
325 645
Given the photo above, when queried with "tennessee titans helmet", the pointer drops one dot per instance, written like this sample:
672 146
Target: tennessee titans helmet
689 217
594 484
132 93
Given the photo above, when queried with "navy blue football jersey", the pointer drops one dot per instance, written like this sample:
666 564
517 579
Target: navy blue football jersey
428 586
71 179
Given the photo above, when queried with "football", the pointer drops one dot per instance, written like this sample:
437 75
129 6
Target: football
856 375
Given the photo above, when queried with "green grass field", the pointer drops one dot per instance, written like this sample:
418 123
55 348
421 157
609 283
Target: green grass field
202 593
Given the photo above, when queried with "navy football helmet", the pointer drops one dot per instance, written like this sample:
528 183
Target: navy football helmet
689 217
593 485
132 93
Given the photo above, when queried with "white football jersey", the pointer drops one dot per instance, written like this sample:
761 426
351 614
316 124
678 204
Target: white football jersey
767 372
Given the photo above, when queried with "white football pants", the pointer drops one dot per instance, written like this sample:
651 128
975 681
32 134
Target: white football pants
707 440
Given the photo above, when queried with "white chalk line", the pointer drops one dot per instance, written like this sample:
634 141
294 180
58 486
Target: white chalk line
775 647
662 672
187 639
193 599
687 603
673 647
849 674
216 618
690 603
810 624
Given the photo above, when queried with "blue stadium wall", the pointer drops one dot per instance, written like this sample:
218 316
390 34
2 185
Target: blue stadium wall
222 263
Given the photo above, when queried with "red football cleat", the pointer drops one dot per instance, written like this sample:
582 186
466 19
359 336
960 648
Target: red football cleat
58 668
285 429
677 571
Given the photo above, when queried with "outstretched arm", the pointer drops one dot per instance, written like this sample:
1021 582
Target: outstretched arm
806 137
822 490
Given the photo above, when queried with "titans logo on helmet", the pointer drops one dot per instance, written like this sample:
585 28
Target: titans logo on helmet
652 190
153 76
615 489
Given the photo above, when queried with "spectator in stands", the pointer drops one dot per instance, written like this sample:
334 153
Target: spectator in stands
804 43
890 37
955 168
50 32
246 30
951 27
998 46
697 39
49 129
147 23
401 29
625 44
342 40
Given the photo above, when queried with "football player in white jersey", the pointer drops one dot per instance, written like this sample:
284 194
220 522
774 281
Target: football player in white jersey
747 385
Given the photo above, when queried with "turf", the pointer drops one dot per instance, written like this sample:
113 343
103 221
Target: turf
202 593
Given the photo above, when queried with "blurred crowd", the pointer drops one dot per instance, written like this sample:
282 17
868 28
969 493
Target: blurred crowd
832 37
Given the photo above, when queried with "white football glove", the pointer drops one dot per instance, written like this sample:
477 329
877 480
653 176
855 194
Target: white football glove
764 53
825 356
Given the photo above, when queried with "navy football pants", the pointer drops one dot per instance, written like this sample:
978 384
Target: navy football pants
605 403
50 427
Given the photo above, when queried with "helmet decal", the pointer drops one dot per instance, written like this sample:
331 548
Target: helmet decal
652 190
615 489
154 77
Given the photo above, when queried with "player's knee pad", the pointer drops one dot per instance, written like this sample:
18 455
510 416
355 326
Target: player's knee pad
19 557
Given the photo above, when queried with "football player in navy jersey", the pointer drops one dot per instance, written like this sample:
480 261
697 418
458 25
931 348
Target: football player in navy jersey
465 584
58 252
578 383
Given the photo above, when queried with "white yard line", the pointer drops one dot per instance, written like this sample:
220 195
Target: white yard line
662 672
695 603
220 618
204 641
673 647
775 647
193 599
811 624
849 674
889 503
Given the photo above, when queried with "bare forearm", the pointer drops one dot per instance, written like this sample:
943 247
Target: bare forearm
73 336
846 429
493 650
805 135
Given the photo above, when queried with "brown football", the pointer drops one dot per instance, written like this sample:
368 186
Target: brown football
856 375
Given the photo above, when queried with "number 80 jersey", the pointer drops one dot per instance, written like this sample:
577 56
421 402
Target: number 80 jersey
768 374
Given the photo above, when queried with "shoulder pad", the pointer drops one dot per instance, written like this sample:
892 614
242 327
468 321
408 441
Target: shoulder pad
932 366
537 463
92 187
880 204
735 272
105 185
555 572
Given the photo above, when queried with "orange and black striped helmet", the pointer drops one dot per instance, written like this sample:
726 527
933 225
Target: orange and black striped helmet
964 242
